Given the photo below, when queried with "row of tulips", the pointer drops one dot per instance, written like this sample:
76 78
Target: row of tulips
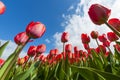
93 63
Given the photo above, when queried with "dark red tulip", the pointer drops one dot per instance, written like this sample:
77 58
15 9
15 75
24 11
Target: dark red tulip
86 46
2 7
26 58
94 34
68 48
115 23
101 48
35 29
41 49
102 38
21 38
76 49
85 38
117 47
112 36
99 14
1 62
64 37
31 51
107 54
106 43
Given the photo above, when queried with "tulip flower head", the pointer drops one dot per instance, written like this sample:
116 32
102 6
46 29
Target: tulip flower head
1 62
35 30
112 36
31 51
21 38
115 23
68 48
102 38
99 14
85 38
41 49
64 37
94 34
2 7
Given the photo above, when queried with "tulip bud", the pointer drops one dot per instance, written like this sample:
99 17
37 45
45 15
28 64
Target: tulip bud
31 51
1 62
115 23
2 7
99 14
21 61
106 43
35 30
112 36
68 48
41 49
85 38
101 48
21 38
64 37
102 38
94 34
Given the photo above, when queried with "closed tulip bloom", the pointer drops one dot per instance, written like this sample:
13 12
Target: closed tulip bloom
1 62
99 14
21 61
112 36
35 30
115 23
106 43
86 46
41 49
64 37
117 47
101 48
54 52
102 38
26 58
76 49
68 48
2 7
31 51
85 38
21 38
94 34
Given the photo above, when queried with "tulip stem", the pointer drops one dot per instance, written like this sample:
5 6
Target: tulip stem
112 29
63 47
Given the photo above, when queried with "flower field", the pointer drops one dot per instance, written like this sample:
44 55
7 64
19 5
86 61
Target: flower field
98 63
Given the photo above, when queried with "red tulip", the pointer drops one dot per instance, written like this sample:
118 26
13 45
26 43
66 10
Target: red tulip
68 48
112 36
115 23
106 43
21 38
117 47
99 14
107 54
94 34
64 37
1 62
101 48
54 52
102 38
85 38
31 51
86 46
41 48
35 30
2 7
26 58
76 49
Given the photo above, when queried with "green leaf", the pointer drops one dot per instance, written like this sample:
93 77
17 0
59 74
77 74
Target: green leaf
93 74
2 48
26 74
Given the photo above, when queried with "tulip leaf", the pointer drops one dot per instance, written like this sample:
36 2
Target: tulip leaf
94 74
26 74
2 48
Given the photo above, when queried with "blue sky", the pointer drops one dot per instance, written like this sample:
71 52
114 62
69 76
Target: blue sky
20 12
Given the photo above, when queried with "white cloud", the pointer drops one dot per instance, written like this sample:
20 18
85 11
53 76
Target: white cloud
47 40
79 22
10 49
70 8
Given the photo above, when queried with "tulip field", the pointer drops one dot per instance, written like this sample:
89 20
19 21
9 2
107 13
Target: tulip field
72 63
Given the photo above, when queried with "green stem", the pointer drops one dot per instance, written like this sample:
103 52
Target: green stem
114 30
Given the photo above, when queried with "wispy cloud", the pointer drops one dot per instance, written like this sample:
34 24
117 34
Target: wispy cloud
47 40
79 22
10 49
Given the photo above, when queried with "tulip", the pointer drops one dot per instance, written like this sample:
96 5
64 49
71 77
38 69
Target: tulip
101 48
68 48
2 7
115 23
99 14
112 36
85 38
21 61
76 49
106 43
94 34
35 30
31 51
1 62
102 38
21 38
26 58
64 37
86 46
41 49
117 47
